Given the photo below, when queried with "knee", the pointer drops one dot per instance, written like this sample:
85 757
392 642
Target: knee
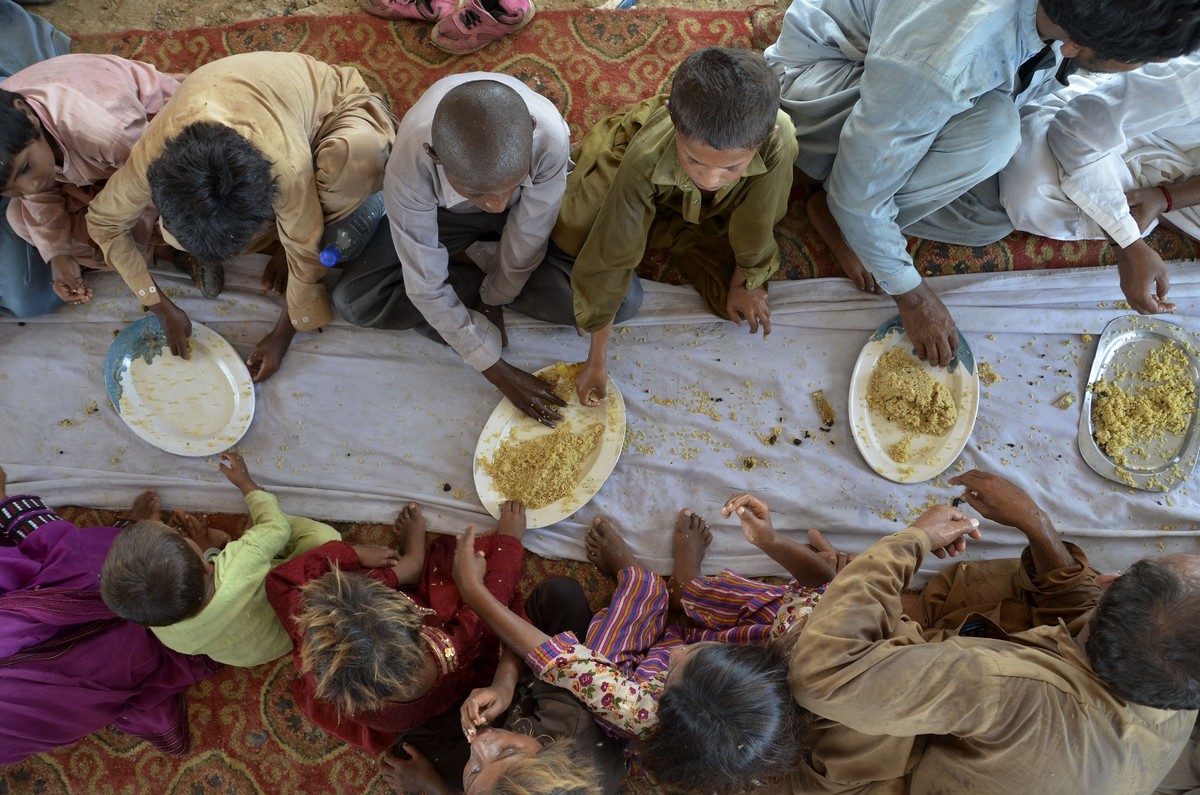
996 125
632 301
33 303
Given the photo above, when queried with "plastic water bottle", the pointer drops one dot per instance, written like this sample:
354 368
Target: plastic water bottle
346 239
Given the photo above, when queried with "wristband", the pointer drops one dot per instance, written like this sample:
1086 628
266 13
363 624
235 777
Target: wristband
1167 195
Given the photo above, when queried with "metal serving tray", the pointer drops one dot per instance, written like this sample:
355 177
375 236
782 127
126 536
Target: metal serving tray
1127 340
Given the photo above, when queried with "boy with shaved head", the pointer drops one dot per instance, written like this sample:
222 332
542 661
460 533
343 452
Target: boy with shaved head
479 157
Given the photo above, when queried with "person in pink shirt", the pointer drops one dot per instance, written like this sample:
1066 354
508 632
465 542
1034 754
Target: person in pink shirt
66 124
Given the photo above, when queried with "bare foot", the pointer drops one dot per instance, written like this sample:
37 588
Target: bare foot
822 220
607 549
146 507
692 538
512 519
409 526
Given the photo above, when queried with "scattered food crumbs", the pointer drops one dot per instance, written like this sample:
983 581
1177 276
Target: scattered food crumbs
796 442
1064 401
987 375
824 409
91 407
458 494
446 487
1085 337
67 423
991 336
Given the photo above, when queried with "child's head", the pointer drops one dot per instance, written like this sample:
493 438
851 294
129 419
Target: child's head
724 104
726 716
155 576
509 763
26 156
362 641
482 135
213 190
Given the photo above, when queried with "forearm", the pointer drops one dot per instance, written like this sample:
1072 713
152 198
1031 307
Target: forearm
801 562
598 344
508 671
1046 546
1185 193
516 633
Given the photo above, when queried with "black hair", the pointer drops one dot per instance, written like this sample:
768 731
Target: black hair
17 131
724 98
727 719
152 576
213 190
483 134
1144 638
1129 31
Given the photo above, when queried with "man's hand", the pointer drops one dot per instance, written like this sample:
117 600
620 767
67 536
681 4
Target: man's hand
268 354
198 530
928 325
67 278
826 551
483 706
175 324
749 305
235 471
1144 278
527 392
495 316
415 774
998 499
371 556
754 516
591 384
1145 205
147 507
948 529
469 564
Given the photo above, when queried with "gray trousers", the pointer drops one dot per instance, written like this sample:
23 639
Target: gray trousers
370 291
953 194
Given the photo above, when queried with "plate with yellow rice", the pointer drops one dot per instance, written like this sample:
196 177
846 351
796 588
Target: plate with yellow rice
553 471
910 420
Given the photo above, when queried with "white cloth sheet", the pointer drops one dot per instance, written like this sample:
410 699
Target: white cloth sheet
357 422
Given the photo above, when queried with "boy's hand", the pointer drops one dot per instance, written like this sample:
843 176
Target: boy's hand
371 556
234 470
67 277
146 507
749 305
591 385
948 530
826 552
1145 279
470 566
754 516
530 394
175 324
483 706
198 530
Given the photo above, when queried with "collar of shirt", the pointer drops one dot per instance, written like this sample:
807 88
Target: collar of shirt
668 172
455 202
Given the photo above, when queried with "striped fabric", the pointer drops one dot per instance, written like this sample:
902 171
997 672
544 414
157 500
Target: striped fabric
20 516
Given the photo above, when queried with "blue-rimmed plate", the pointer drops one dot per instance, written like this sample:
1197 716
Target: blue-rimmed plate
197 406
929 455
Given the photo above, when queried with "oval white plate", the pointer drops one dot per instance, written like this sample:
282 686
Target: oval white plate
197 406
873 434
507 421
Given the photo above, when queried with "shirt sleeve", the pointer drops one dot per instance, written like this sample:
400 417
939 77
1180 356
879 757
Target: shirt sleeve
903 105
268 534
468 632
864 664
300 222
627 706
112 216
752 223
1090 135
45 219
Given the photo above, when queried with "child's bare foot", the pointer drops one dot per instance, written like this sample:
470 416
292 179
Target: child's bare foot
823 221
692 538
512 519
146 507
409 526
607 549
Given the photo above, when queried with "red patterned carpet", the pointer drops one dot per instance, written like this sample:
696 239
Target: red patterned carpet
247 736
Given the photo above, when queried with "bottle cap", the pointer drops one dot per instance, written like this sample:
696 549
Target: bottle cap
330 256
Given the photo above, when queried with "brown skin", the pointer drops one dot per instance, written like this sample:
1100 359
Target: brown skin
691 540
264 361
1144 277
811 565
948 530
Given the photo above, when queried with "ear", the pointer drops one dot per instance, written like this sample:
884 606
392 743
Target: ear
23 106
429 150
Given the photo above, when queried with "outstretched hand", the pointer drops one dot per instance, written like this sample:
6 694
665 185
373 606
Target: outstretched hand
235 471
175 324
1144 278
530 394
755 517
998 499
948 530
748 305
929 325
470 566
67 279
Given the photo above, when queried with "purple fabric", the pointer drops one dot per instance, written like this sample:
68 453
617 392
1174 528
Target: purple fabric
68 666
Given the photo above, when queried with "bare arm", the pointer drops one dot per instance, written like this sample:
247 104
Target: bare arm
469 567
1002 501
800 561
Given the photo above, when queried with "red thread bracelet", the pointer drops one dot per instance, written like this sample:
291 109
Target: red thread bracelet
1167 195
